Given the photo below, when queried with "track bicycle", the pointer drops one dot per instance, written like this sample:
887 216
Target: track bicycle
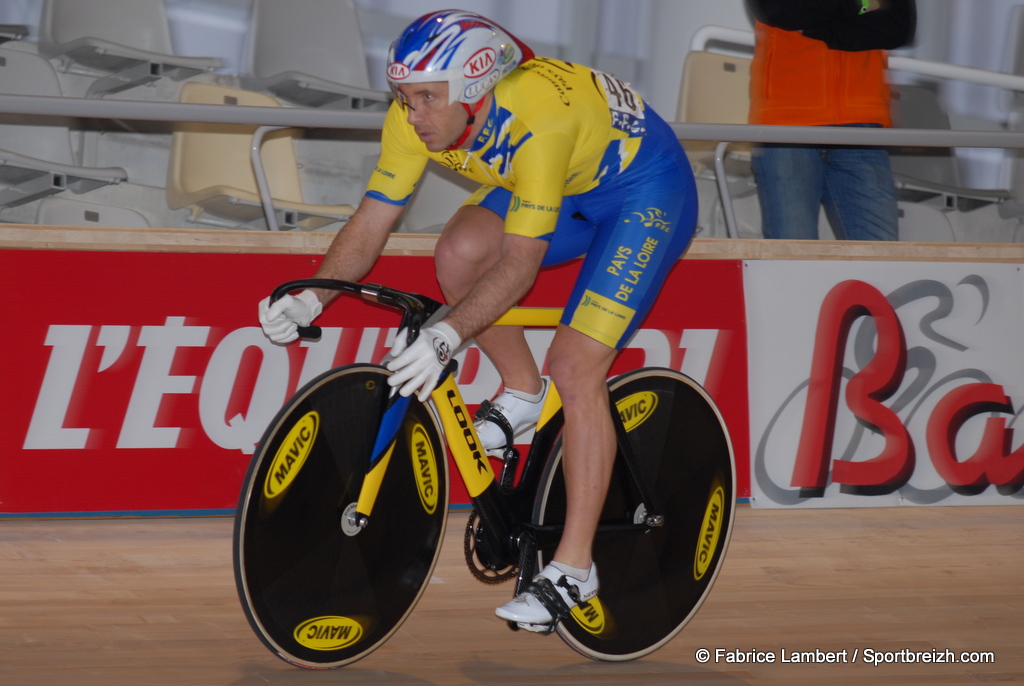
343 508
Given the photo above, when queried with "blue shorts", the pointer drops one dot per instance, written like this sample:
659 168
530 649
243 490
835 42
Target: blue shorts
632 229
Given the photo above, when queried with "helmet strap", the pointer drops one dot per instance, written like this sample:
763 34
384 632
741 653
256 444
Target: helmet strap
471 119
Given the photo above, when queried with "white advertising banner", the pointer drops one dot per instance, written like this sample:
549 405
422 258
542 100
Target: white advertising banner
885 383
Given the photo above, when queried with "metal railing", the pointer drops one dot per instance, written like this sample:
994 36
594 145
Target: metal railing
266 118
134 110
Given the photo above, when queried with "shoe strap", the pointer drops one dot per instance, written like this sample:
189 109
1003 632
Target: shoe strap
489 412
544 590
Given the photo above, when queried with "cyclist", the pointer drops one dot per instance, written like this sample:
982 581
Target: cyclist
571 161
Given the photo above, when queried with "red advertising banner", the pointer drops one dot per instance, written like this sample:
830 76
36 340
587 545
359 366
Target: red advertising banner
139 383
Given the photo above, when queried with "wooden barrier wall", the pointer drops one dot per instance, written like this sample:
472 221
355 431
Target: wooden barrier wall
32 237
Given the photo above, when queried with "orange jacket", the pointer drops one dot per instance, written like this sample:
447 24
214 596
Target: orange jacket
799 81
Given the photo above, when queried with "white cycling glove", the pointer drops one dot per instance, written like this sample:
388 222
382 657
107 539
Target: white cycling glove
280 320
398 345
418 367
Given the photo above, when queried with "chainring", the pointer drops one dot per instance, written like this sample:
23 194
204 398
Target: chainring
480 558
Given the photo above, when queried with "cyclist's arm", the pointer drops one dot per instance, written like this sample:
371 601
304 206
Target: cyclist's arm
358 244
540 169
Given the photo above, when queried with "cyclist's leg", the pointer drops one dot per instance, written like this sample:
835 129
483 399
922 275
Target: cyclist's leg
580 358
654 577
470 245
579 368
644 221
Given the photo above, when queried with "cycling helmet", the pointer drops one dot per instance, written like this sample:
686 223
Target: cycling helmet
468 51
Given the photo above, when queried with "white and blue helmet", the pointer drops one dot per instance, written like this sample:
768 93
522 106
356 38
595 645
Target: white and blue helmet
468 51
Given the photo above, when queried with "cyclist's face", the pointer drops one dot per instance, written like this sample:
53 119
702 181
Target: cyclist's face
437 123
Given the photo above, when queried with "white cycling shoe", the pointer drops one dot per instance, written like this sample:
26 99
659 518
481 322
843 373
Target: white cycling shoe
521 414
549 598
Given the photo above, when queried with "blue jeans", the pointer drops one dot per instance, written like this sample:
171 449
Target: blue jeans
854 184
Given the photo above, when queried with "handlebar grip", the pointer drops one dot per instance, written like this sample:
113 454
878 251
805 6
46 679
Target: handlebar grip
312 332
415 308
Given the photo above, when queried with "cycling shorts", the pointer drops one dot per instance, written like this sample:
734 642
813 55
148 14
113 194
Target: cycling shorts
632 228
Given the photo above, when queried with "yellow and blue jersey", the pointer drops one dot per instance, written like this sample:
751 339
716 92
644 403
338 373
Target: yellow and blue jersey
574 157
553 129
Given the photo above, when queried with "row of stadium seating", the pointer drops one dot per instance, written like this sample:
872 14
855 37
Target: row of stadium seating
300 53
310 53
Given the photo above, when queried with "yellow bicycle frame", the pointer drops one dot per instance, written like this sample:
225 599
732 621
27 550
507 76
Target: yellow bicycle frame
459 432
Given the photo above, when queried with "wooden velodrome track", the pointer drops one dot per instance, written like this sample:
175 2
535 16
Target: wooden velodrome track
153 601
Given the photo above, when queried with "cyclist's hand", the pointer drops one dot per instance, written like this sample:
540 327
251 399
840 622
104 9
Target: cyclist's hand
400 343
280 320
418 367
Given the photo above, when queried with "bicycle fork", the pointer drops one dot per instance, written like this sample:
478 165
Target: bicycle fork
470 458
357 515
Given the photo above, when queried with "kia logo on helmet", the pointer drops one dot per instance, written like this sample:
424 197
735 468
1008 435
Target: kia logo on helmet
480 63
398 71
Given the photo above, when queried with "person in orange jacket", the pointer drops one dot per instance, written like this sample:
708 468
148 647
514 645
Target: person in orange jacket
823 63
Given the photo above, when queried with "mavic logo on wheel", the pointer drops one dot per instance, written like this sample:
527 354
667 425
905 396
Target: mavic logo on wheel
291 455
636 409
328 633
710 532
591 616
424 467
